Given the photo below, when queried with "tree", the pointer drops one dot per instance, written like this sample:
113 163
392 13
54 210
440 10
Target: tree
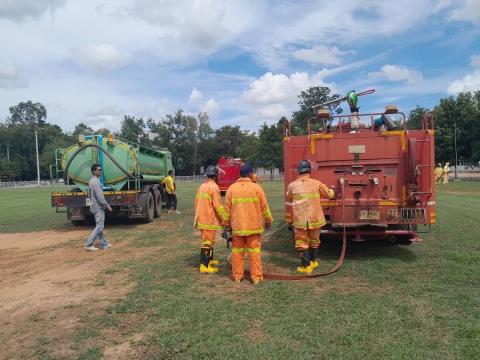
464 113
176 132
27 113
270 150
81 129
134 129
415 118
307 99
248 150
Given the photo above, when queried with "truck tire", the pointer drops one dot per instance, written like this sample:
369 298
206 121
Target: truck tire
158 203
149 207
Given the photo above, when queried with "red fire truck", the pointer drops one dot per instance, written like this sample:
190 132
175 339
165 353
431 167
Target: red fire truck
229 172
386 172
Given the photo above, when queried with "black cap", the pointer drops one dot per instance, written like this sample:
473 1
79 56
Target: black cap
304 167
211 171
246 170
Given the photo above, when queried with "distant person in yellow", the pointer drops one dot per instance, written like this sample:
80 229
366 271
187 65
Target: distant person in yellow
170 188
446 170
439 173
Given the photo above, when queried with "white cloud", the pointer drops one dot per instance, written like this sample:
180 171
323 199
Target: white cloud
11 78
396 73
320 54
272 96
195 96
100 57
21 9
470 82
468 10
211 107
280 88
475 60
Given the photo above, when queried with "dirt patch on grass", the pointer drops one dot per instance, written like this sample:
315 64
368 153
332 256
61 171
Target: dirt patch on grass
50 283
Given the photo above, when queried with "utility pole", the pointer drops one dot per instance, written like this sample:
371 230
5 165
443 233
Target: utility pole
38 162
195 150
455 144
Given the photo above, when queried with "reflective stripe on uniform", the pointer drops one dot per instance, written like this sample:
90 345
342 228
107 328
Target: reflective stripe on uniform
254 250
240 200
247 232
267 214
305 196
310 225
236 250
204 195
223 213
208 227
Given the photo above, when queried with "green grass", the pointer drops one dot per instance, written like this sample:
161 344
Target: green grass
28 209
386 302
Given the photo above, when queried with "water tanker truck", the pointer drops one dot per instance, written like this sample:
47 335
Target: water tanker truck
131 178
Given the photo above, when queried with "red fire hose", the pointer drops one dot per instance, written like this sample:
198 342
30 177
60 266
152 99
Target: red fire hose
331 271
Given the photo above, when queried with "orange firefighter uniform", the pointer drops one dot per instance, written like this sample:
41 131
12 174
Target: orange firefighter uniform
304 196
248 209
209 216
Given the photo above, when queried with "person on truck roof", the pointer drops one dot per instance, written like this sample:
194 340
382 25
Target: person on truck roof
170 189
303 195
209 217
98 204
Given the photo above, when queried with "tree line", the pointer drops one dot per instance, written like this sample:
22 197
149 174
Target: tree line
195 144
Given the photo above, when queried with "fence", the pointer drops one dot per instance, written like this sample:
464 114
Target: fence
26 184
47 183
201 178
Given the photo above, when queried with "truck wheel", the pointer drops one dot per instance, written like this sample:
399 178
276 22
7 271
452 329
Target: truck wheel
158 203
149 208
77 222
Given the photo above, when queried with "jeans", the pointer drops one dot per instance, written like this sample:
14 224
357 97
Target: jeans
172 201
98 231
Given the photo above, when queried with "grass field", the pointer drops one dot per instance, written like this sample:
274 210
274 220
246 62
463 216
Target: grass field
387 302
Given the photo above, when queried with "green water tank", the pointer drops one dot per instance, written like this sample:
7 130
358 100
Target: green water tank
144 165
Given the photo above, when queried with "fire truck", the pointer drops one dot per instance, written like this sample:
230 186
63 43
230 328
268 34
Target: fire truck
229 172
382 171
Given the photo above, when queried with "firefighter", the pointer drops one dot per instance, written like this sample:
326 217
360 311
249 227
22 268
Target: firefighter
438 173
304 196
446 170
209 217
249 214
255 177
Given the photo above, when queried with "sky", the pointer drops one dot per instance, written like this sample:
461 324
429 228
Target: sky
244 62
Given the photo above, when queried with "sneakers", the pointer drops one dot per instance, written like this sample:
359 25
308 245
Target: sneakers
313 264
106 247
207 269
91 248
305 269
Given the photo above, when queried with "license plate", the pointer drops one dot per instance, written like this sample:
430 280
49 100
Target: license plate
369 215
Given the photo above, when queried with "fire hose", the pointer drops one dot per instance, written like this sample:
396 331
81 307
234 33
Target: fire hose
329 272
